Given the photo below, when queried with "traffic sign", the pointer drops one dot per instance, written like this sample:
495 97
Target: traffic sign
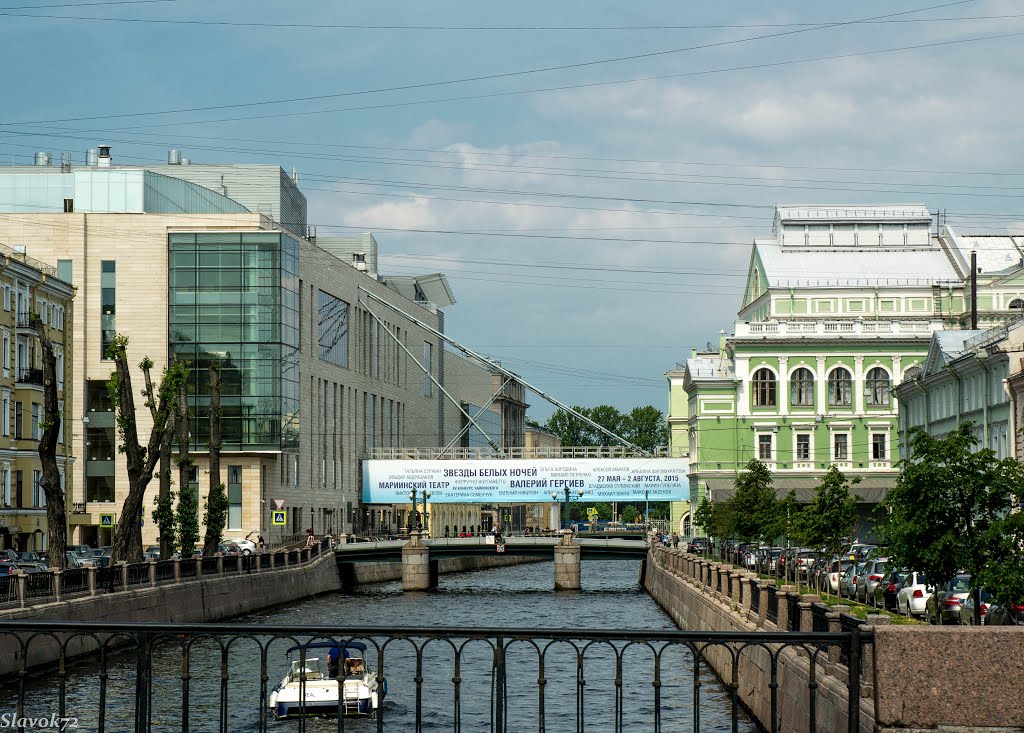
107 520
278 503
592 512
508 517
279 517
500 548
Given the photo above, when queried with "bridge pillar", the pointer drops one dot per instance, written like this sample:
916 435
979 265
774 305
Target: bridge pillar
567 563
418 572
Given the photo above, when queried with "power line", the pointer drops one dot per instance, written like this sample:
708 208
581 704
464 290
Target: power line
483 77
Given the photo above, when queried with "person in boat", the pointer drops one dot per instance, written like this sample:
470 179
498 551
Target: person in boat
333 661
354 666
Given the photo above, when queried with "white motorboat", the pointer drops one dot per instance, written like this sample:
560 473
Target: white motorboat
310 689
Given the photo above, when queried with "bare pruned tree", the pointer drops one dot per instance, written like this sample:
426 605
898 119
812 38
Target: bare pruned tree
56 513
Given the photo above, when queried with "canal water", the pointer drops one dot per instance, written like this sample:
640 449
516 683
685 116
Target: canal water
518 596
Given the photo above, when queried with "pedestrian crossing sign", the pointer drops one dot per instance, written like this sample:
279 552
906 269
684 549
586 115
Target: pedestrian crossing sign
279 517
107 520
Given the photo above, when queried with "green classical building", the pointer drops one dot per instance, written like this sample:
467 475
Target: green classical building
839 307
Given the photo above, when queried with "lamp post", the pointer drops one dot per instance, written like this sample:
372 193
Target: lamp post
565 504
412 497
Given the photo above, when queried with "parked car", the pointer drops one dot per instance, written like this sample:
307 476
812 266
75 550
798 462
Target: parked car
228 548
31 567
870 575
943 607
698 546
29 557
7 568
72 560
859 552
80 550
887 588
805 561
245 545
913 595
848 580
836 570
1001 615
967 608
9 555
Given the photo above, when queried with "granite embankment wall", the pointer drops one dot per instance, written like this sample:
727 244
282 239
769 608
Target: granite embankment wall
914 677
387 571
199 598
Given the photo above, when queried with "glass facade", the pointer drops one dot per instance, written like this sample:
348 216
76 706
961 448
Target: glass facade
332 325
489 421
234 298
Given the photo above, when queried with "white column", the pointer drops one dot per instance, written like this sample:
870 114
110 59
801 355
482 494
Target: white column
783 385
896 372
820 380
858 384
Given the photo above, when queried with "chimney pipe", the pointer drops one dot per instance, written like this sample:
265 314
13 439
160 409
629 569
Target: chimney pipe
974 290
104 156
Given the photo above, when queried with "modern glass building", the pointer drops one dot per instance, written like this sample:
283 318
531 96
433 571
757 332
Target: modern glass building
233 298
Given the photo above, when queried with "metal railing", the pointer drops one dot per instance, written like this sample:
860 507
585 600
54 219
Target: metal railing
772 613
16 590
537 452
139 676
30 375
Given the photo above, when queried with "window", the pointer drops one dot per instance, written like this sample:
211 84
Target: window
878 451
17 420
7 413
764 447
7 484
36 433
428 349
60 428
803 446
764 388
801 388
840 443
7 297
108 305
60 369
332 329
7 353
69 206
876 388
99 488
840 387
64 270
234 497
38 498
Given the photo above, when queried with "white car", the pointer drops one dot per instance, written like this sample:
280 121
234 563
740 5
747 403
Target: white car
245 545
912 597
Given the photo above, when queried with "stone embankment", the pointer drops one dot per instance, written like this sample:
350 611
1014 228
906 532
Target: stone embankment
914 677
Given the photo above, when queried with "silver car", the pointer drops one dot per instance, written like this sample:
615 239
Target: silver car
870 576
848 581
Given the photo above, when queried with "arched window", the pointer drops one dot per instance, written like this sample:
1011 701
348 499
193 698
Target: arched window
1017 304
801 388
913 372
764 388
840 387
876 388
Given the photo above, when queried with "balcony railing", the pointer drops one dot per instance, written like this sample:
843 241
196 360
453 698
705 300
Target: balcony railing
30 376
833 328
79 507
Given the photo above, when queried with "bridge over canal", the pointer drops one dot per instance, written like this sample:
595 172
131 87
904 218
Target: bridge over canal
419 556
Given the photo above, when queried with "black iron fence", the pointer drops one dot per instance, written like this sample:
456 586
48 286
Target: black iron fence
37 587
772 612
143 677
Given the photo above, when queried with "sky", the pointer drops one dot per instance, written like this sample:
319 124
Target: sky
588 174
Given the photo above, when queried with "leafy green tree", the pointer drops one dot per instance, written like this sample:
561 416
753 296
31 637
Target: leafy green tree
646 427
570 429
186 516
608 418
950 510
828 521
754 506
786 514
163 517
703 515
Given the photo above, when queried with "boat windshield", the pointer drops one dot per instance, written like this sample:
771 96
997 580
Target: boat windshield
355 666
312 670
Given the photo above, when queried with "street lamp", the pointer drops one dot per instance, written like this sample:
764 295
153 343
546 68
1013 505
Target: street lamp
565 504
412 497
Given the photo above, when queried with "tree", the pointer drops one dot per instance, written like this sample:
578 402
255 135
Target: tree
787 513
188 493
828 521
608 418
754 505
950 510
630 514
56 514
216 501
645 427
141 460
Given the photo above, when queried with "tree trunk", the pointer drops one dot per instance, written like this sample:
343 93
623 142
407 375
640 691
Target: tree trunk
215 499
56 511
189 535
127 543
166 533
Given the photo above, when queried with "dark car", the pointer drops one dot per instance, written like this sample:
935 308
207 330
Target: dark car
7 568
698 546
80 550
943 606
888 588
967 608
1002 615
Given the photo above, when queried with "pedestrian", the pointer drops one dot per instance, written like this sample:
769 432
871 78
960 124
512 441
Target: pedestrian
260 544
310 540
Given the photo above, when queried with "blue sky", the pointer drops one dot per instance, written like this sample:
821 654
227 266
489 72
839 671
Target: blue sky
655 185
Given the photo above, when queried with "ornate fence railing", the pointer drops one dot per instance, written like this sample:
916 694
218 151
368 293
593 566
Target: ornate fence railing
28 588
143 677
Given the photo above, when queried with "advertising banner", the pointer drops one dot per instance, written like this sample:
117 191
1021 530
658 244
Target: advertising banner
516 481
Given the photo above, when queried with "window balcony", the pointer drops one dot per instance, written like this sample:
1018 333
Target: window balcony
29 375
24 319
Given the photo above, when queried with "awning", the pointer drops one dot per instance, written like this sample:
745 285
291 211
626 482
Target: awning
870 489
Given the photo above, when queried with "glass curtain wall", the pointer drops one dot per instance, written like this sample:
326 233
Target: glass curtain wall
234 299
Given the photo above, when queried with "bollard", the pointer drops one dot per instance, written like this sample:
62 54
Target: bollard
56 573
152 573
177 570
124 574
91 570
22 582
783 596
